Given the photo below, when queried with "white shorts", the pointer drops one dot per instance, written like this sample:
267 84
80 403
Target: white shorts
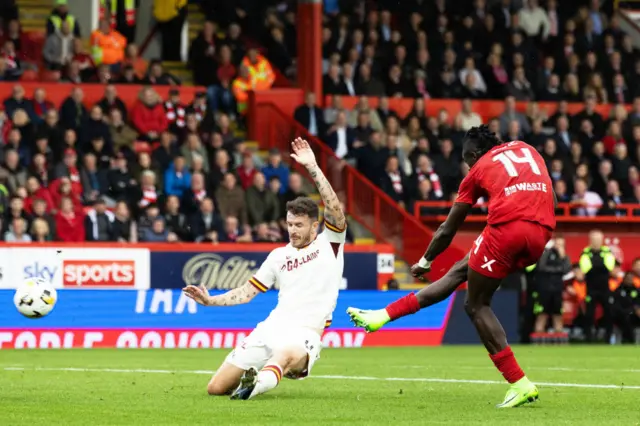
259 346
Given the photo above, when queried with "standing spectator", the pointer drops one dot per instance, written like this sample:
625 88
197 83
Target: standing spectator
58 48
262 204
341 138
123 20
69 222
107 46
59 15
220 94
202 56
597 262
171 15
534 21
72 111
276 168
177 178
231 199
549 284
240 87
98 223
148 115
311 116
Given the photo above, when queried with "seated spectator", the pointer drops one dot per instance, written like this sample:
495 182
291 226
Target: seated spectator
262 205
94 181
122 135
149 193
468 118
18 232
132 59
203 114
14 33
23 124
16 174
64 187
589 202
276 168
510 113
41 231
157 233
36 192
176 111
107 45
613 198
18 101
69 222
246 171
176 221
59 15
146 218
232 231
278 53
205 221
12 62
240 88
103 153
86 67
520 87
128 76
41 105
148 116
163 155
311 116
158 77
122 186
221 166
40 170
231 198
194 195
58 49
111 101
263 234
98 223
294 190
259 69
95 128
124 228
72 111
394 183
177 178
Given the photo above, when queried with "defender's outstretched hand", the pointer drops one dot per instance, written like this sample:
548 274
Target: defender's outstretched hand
198 293
303 153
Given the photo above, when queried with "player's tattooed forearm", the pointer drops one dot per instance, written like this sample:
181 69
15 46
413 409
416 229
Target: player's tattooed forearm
333 209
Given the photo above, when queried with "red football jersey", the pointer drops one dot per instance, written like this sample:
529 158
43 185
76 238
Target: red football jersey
515 179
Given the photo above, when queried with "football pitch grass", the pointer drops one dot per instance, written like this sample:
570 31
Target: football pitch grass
369 386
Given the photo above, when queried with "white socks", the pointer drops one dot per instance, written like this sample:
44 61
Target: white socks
268 378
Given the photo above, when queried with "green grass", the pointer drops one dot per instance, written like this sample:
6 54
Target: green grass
34 391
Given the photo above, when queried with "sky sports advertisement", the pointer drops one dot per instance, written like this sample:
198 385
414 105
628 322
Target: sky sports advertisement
142 268
165 318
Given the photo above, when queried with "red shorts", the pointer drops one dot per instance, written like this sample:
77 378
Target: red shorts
508 247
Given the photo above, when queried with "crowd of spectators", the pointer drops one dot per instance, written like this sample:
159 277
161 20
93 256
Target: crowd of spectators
482 52
161 170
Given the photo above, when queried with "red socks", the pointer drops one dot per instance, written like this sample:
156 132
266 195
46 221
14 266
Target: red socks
404 306
506 363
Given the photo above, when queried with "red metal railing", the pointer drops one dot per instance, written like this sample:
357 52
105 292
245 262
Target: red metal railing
565 212
366 203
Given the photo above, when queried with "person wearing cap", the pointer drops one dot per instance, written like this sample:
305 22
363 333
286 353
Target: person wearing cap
61 14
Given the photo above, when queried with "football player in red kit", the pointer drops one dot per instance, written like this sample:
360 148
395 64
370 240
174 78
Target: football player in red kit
521 219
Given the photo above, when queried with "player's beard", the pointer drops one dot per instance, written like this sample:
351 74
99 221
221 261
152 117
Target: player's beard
302 241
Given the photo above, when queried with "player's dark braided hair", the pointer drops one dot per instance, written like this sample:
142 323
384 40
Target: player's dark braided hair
483 138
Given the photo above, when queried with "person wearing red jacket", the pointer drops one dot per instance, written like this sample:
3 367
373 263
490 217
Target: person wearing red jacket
36 191
63 187
69 222
148 116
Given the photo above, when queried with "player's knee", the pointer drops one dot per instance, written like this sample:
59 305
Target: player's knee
289 357
470 308
217 388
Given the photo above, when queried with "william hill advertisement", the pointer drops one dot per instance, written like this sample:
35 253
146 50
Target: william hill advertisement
224 270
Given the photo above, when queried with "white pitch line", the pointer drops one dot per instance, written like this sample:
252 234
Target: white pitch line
526 367
327 377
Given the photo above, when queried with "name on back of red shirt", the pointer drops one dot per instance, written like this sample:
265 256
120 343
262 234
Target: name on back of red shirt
525 186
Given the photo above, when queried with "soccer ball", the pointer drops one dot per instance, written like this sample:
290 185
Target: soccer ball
35 298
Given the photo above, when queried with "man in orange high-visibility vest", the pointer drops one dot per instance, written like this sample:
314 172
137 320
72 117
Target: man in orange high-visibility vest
241 87
107 45
259 69
122 19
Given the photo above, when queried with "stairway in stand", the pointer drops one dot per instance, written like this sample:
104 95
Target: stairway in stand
195 21
34 14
